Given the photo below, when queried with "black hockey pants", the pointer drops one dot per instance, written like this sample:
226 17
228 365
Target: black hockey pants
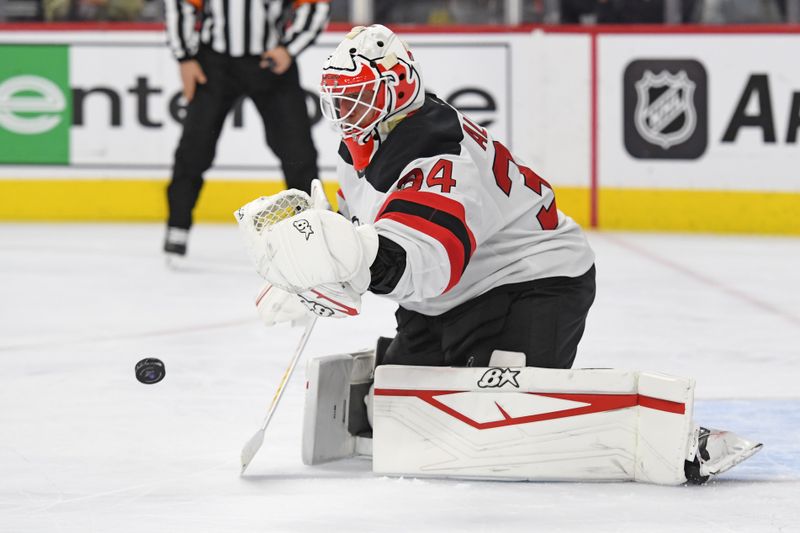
543 318
281 103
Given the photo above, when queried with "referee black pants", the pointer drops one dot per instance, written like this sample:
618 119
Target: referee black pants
544 319
281 103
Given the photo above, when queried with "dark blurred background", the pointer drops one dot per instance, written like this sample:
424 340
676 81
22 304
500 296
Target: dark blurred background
445 12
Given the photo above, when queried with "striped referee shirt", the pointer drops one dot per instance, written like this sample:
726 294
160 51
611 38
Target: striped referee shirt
243 27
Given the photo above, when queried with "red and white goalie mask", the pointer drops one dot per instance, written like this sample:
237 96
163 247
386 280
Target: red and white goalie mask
370 79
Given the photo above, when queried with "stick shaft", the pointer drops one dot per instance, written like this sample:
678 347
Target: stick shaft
254 444
289 371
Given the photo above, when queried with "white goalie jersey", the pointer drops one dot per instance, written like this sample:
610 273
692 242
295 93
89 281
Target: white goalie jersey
466 214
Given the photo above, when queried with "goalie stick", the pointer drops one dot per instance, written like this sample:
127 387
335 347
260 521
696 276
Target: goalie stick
254 218
254 444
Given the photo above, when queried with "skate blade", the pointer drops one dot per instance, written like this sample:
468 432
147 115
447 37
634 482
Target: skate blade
733 460
175 261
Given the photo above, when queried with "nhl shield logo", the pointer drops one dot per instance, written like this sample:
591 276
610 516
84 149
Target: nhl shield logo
665 109
665 112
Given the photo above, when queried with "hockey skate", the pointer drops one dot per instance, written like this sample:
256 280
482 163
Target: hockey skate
175 244
714 452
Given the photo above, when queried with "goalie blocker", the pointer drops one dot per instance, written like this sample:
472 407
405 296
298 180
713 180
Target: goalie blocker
513 423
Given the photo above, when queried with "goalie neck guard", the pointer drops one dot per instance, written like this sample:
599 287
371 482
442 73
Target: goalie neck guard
369 83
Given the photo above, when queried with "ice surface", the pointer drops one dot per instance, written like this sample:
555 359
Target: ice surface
84 447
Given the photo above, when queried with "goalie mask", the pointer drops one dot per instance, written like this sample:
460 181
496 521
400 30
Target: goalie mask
370 81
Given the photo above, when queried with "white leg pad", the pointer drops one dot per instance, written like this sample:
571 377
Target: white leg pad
531 424
329 406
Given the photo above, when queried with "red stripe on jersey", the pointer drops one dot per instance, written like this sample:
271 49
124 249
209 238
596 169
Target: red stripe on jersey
435 201
459 249
453 247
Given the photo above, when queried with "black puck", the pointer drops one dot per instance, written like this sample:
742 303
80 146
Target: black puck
150 370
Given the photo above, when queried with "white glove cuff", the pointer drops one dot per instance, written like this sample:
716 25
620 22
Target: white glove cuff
369 249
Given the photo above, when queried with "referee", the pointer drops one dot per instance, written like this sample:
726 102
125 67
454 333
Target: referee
233 48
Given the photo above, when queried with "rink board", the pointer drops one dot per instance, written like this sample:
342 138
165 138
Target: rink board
724 159
145 201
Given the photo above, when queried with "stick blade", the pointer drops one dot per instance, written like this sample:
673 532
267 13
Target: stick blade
251 448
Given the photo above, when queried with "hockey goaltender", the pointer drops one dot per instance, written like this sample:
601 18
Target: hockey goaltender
493 284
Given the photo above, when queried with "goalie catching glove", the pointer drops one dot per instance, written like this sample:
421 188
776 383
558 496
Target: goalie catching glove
315 248
316 260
